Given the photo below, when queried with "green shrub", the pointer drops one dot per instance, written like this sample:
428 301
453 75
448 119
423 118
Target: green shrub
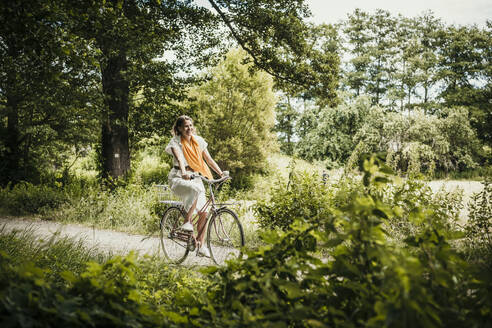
55 254
35 290
327 133
151 170
419 143
303 197
478 228
26 198
365 281
103 295
408 195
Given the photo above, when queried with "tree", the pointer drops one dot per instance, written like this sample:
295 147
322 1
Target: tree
235 114
43 90
286 119
357 40
323 52
382 28
464 69
426 63
327 134
128 35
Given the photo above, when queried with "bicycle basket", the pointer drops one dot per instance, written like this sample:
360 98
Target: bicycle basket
166 196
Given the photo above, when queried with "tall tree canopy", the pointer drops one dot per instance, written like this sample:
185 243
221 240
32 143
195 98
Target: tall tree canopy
140 55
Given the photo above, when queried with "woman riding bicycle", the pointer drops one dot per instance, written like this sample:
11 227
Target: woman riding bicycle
189 155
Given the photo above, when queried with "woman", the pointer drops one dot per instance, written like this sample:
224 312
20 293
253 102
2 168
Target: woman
189 152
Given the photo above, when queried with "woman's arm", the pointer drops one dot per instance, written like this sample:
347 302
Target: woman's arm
184 175
212 163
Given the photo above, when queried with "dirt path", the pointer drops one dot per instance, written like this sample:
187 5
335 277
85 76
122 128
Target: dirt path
104 240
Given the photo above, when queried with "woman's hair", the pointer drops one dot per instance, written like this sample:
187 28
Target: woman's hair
179 123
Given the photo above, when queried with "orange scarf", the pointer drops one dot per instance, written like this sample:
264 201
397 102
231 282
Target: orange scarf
194 157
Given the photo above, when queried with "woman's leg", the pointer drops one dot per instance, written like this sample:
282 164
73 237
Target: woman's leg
189 215
202 221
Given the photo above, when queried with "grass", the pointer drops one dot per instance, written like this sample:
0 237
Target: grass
56 253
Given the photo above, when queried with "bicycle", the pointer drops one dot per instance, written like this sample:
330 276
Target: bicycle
224 235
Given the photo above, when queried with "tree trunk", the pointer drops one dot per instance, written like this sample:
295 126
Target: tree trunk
114 144
12 142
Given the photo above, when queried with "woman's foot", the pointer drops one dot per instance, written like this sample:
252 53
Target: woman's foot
203 251
187 227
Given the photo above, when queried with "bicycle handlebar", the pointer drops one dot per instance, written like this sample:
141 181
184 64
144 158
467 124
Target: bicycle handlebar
224 178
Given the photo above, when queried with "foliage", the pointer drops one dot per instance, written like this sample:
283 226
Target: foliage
102 295
323 53
365 276
26 198
301 198
44 91
235 112
419 143
41 285
125 65
56 254
404 63
478 228
133 209
366 280
286 117
151 164
327 133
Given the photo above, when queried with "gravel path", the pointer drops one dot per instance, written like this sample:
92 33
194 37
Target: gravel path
104 240
121 243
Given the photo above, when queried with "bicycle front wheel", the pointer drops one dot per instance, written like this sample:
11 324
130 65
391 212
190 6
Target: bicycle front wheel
225 236
175 242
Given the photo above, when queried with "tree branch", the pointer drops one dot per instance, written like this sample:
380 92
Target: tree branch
242 43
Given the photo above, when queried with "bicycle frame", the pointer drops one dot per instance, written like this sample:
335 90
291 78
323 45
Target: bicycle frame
221 225
184 236
211 199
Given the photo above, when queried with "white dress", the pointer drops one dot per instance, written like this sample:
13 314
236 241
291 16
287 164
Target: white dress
186 190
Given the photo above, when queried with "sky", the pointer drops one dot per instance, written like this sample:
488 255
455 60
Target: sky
460 12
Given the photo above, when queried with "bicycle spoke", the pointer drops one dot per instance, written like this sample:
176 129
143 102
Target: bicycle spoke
225 236
175 243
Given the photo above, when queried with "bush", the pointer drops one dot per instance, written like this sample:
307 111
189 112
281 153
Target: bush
35 290
327 133
419 143
478 228
366 281
26 198
303 197
151 170
151 164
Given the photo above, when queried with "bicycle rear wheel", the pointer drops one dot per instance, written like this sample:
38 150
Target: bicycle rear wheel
175 242
225 236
